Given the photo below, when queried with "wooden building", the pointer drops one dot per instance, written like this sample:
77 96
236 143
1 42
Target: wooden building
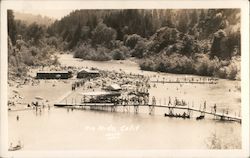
114 87
54 75
88 73
100 97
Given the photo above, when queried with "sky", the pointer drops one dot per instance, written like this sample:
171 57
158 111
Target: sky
55 14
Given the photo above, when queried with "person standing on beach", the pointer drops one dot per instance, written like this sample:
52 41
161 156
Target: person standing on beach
17 117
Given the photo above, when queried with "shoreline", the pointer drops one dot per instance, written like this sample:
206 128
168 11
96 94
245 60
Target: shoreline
135 62
33 87
56 90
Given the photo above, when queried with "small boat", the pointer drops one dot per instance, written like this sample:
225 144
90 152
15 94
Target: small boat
200 117
177 116
187 116
14 148
169 115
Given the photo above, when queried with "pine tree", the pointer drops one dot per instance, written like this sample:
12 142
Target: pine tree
183 22
11 26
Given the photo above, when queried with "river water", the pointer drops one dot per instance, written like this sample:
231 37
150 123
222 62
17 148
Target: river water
66 129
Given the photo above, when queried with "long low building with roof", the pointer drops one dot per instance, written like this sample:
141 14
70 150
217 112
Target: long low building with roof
53 74
85 73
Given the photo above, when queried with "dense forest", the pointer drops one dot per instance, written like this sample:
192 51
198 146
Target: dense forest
203 42
28 45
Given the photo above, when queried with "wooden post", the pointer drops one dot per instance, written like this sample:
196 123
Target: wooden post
113 108
136 109
125 108
189 112
151 109
171 110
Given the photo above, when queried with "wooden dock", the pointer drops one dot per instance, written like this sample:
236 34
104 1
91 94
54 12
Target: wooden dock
112 107
191 82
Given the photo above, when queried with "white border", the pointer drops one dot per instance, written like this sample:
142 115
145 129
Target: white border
108 4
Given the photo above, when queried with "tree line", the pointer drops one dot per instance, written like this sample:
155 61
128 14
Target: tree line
28 45
197 37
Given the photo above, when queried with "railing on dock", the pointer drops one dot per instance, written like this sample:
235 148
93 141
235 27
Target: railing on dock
126 107
191 82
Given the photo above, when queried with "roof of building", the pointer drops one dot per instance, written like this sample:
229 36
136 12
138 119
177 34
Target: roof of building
114 87
100 93
52 72
89 71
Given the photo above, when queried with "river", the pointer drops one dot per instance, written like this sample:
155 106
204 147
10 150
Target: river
64 129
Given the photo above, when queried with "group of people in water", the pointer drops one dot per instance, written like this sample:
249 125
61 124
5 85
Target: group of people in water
38 107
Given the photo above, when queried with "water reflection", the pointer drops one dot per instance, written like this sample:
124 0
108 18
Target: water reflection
84 129
68 129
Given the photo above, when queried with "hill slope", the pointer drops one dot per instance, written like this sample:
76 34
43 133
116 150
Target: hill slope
30 18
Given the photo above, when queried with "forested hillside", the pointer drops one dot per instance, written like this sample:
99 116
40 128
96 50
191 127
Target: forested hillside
28 19
28 45
203 42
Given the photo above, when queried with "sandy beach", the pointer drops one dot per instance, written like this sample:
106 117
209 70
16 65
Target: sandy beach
23 93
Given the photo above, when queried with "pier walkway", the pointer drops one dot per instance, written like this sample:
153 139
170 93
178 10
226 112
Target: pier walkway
112 107
191 82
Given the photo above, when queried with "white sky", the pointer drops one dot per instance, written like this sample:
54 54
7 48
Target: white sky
56 14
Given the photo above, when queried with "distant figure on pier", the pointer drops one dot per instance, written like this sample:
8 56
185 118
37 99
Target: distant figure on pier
17 117
205 105
214 108
145 100
153 101
184 114
183 103
169 101
140 100
176 101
